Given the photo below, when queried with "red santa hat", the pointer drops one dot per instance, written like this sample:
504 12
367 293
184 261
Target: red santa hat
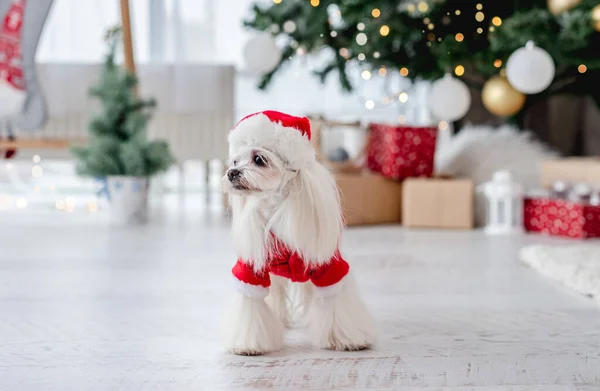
285 135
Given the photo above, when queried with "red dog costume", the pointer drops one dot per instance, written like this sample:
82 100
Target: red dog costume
288 264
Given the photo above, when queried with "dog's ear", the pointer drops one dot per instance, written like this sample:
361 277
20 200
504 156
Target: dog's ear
309 220
250 236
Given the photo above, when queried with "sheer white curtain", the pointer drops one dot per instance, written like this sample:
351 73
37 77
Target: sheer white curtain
174 48
192 31
163 30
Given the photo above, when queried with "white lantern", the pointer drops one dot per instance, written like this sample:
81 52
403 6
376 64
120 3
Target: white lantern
530 69
450 99
504 198
261 54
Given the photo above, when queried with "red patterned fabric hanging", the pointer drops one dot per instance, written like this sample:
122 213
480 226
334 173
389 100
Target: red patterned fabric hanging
12 81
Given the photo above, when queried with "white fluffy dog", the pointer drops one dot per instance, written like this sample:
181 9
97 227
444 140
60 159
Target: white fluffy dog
287 224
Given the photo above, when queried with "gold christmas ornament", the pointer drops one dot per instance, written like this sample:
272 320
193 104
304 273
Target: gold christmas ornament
500 98
596 17
557 7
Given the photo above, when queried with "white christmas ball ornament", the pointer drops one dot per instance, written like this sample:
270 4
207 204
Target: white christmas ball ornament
530 69
450 99
261 54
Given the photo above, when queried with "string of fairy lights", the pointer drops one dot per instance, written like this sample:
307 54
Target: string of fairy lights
420 8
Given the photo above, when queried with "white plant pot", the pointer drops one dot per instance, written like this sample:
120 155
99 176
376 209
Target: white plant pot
128 199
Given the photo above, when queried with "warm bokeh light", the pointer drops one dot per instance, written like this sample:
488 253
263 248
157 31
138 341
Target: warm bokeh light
404 72
497 21
361 39
21 203
498 63
376 12
37 171
459 37
459 70
384 30
582 68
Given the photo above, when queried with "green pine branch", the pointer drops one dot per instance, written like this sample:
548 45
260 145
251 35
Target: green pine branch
424 41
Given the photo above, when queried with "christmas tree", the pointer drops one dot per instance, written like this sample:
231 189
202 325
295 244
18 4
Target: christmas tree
119 144
426 39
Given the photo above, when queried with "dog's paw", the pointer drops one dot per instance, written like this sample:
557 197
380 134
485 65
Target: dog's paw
251 329
247 352
354 348
348 347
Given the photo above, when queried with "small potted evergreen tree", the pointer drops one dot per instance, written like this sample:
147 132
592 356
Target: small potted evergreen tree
118 149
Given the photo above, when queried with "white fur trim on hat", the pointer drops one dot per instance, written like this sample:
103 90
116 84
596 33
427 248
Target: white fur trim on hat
286 142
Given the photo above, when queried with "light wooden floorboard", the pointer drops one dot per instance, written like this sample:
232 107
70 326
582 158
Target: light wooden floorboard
86 307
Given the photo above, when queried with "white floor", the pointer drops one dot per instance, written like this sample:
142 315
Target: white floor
88 307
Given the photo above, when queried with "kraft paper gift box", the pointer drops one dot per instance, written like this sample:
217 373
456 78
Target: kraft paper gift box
369 199
438 203
571 170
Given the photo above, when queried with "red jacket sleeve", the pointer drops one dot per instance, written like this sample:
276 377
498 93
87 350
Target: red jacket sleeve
246 274
330 273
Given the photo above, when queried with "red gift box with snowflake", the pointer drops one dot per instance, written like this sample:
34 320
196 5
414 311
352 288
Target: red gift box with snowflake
399 152
561 218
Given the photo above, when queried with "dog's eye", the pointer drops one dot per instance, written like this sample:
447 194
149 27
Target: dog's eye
235 162
260 161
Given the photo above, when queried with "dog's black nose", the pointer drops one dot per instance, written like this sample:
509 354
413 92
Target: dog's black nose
233 174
